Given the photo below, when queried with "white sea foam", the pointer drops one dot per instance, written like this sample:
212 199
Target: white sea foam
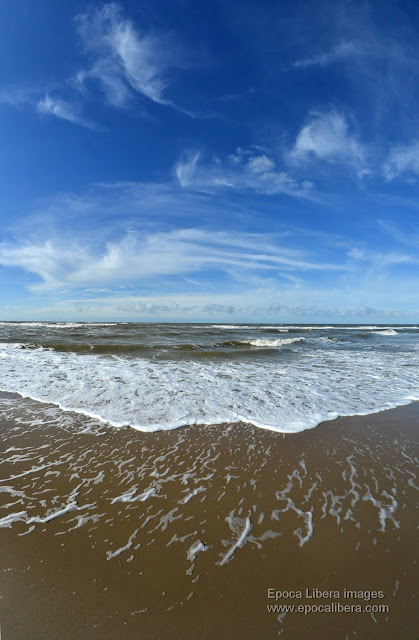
13 492
233 326
113 554
11 518
196 548
308 517
147 494
59 325
243 528
385 512
386 332
274 342
51 515
130 495
280 328
191 495
292 391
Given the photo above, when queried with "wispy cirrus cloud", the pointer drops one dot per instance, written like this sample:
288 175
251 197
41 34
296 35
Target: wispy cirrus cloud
242 170
18 96
346 49
138 258
379 259
402 161
47 104
126 59
135 267
327 137
409 237
368 50
64 110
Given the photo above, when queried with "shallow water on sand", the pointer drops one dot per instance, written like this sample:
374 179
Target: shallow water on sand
127 534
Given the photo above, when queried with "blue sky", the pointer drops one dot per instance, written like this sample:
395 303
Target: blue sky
212 161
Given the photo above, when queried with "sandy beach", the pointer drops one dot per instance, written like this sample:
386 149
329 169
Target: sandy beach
195 533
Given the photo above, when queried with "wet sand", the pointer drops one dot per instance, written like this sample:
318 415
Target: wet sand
110 533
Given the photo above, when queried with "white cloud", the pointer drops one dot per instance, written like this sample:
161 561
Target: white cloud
163 260
126 59
364 51
379 259
342 51
125 62
64 110
261 165
139 258
402 160
117 91
242 170
54 106
407 236
17 96
326 136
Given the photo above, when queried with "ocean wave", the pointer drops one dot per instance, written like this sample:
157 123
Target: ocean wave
144 349
59 325
386 332
233 326
231 382
272 343
84 348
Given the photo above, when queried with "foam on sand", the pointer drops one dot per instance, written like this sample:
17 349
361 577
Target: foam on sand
196 548
236 524
114 554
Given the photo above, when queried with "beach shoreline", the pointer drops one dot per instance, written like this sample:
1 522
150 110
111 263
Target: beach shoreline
181 534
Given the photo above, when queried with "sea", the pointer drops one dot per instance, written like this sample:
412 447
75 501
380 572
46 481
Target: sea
150 376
